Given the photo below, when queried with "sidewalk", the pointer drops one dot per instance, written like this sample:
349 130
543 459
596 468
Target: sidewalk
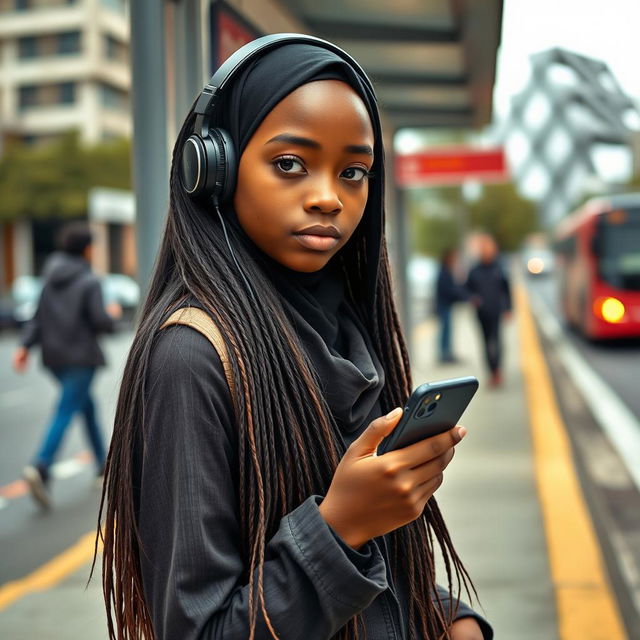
488 498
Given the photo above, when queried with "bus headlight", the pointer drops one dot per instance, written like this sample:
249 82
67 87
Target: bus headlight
610 309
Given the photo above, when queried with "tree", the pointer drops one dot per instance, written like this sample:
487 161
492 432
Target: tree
53 181
437 218
504 213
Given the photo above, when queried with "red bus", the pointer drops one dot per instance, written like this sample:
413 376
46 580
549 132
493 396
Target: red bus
598 256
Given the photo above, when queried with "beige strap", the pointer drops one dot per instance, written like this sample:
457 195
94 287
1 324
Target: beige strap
201 321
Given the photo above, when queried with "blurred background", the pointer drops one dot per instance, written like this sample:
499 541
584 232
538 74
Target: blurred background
514 118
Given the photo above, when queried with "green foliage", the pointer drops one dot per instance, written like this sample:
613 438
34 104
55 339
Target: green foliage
504 213
433 236
53 181
437 216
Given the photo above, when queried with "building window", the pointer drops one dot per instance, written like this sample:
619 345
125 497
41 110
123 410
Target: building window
49 44
28 96
69 42
67 92
25 5
28 47
114 49
116 5
47 95
113 98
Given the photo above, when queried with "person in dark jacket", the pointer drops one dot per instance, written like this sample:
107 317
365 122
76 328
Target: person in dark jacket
489 289
448 292
243 498
69 316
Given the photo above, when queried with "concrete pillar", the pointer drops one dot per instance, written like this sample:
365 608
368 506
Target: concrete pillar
150 157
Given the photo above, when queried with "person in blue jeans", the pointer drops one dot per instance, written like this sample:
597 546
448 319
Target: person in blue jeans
448 292
69 317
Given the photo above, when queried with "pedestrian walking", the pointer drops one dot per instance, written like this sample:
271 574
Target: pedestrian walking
490 292
448 292
69 316
243 497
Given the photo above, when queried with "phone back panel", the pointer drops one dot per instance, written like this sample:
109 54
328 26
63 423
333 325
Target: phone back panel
422 420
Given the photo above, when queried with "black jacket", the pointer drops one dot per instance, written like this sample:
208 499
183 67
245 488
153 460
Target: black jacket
448 291
187 506
489 283
70 315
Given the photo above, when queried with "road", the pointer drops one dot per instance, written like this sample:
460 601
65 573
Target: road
616 362
596 385
30 537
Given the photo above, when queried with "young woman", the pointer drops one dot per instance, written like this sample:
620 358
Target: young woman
249 502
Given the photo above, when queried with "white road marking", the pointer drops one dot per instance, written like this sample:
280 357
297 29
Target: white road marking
612 414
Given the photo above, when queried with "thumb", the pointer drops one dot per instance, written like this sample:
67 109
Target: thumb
375 433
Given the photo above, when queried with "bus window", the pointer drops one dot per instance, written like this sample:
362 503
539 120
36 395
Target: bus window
619 250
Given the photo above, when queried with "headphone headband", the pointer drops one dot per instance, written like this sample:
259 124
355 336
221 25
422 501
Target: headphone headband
208 162
237 60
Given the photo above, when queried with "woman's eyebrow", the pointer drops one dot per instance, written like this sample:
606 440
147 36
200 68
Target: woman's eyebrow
359 148
297 140
289 138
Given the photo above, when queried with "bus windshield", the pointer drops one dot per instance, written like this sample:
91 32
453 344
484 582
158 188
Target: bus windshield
619 250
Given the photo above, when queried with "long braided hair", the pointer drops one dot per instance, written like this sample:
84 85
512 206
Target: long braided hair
288 447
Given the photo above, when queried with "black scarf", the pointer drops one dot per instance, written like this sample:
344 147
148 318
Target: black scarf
332 329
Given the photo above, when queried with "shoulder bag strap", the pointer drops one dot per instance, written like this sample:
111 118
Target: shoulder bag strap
201 321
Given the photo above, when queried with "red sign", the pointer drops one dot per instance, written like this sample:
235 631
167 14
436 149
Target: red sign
451 166
232 33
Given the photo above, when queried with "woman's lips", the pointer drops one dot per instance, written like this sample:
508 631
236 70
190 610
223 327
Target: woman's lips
319 237
316 242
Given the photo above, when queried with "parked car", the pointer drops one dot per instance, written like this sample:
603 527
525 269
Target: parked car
7 316
116 287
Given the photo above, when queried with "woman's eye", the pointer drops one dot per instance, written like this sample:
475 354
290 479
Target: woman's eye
355 174
289 165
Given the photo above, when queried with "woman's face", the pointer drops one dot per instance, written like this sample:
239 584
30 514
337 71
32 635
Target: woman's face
303 178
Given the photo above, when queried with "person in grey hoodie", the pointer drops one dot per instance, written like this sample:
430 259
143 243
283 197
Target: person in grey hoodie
70 315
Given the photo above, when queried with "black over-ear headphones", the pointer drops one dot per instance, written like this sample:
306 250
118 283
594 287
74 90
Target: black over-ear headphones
208 160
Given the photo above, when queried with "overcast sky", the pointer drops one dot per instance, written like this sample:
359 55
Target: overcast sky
607 30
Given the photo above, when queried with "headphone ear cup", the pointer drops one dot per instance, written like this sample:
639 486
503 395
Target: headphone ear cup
193 166
223 170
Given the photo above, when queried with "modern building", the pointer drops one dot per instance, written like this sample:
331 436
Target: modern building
64 65
571 113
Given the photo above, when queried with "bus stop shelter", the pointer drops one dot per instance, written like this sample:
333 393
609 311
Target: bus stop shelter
433 64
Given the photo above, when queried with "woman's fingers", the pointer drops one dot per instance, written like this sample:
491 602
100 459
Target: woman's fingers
374 434
428 449
427 489
425 471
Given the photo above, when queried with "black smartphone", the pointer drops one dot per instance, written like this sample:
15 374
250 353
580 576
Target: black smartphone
434 407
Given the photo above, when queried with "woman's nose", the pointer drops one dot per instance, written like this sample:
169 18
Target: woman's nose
323 198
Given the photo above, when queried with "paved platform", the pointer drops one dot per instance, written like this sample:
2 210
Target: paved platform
489 499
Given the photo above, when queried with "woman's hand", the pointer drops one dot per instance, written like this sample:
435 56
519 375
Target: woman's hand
465 629
20 359
371 495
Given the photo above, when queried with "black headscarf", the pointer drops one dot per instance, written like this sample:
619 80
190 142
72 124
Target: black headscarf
333 330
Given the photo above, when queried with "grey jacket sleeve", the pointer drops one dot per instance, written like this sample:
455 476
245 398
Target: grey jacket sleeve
193 574
465 611
100 320
31 332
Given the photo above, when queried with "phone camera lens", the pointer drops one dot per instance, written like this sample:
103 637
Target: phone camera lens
432 407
